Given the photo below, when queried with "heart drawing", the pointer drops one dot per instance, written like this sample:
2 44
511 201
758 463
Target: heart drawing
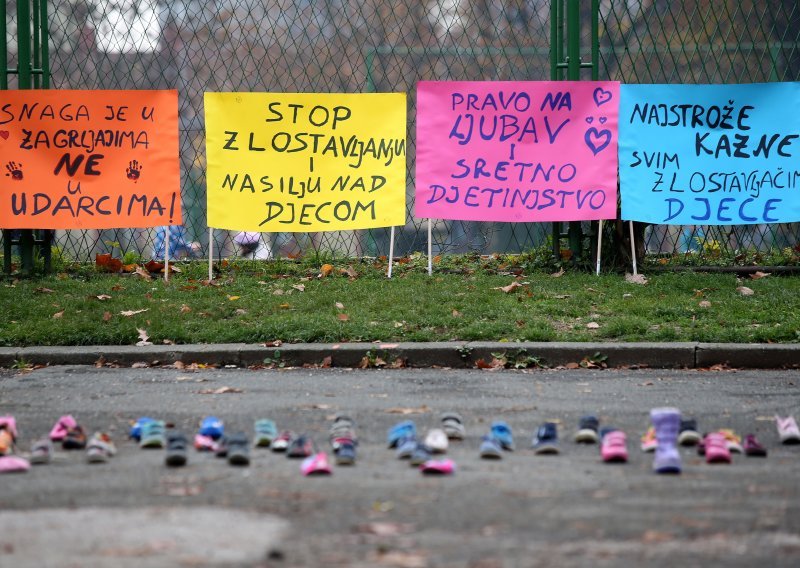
601 96
4 134
597 140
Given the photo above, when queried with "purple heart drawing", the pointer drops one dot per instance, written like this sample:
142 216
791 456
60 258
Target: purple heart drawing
603 120
589 119
601 96
597 140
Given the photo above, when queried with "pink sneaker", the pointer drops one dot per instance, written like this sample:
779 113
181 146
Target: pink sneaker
438 467
613 447
787 430
13 464
316 464
64 424
717 448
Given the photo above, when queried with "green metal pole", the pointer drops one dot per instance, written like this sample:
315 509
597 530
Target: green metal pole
24 82
595 40
3 48
573 74
45 44
37 46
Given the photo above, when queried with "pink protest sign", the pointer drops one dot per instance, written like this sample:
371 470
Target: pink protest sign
517 151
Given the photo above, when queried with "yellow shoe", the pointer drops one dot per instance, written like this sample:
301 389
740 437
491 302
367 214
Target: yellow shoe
649 441
733 441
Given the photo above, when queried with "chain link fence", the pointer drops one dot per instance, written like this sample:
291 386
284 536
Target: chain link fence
388 45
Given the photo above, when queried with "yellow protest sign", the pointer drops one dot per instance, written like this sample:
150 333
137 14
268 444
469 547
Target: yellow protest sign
305 161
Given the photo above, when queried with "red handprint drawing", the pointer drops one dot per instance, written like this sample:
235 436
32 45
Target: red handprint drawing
14 171
134 170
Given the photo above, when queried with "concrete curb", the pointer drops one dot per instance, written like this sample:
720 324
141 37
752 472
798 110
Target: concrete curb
444 354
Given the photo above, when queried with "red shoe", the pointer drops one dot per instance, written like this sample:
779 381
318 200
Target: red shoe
753 448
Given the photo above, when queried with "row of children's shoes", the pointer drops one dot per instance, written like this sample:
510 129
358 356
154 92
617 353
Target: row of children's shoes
66 432
211 438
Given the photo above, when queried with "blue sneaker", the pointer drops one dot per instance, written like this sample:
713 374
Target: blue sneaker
406 447
501 432
546 439
212 427
421 454
490 448
399 431
136 429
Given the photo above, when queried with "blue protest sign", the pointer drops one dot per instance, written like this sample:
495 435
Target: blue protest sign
710 154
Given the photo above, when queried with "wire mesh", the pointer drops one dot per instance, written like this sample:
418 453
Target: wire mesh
388 45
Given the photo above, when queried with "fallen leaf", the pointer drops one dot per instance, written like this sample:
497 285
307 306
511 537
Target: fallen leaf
278 292
705 304
129 313
276 343
141 272
154 266
340 305
117 287
106 316
456 314
592 325
326 362
745 291
510 288
405 410
221 390
635 278
558 274
572 365
759 275
299 287
385 529
102 297
140 365
233 298
143 338
350 272
58 315
185 309
284 306
42 290
343 317
240 312
326 270
562 296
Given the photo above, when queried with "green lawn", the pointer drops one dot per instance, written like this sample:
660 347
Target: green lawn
291 302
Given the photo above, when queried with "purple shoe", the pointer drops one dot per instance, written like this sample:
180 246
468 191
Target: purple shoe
667 423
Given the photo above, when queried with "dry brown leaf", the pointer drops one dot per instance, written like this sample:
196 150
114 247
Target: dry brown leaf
129 313
343 317
326 270
510 288
592 325
154 266
456 314
350 272
759 275
275 343
58 315
705 304
339 305
106 316
284 306
42 290
405 410
572 365
185 309
326 362
635 278
278 292
102 297
745 291
299 287
558 274
221 390
142 273
240 311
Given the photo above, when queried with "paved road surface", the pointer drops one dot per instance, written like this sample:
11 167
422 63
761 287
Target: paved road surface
525 510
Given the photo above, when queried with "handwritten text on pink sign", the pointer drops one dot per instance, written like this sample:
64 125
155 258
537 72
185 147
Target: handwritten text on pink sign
517 151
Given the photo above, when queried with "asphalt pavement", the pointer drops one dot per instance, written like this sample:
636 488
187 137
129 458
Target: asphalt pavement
523 510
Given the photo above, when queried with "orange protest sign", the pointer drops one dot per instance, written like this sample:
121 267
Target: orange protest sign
89 159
